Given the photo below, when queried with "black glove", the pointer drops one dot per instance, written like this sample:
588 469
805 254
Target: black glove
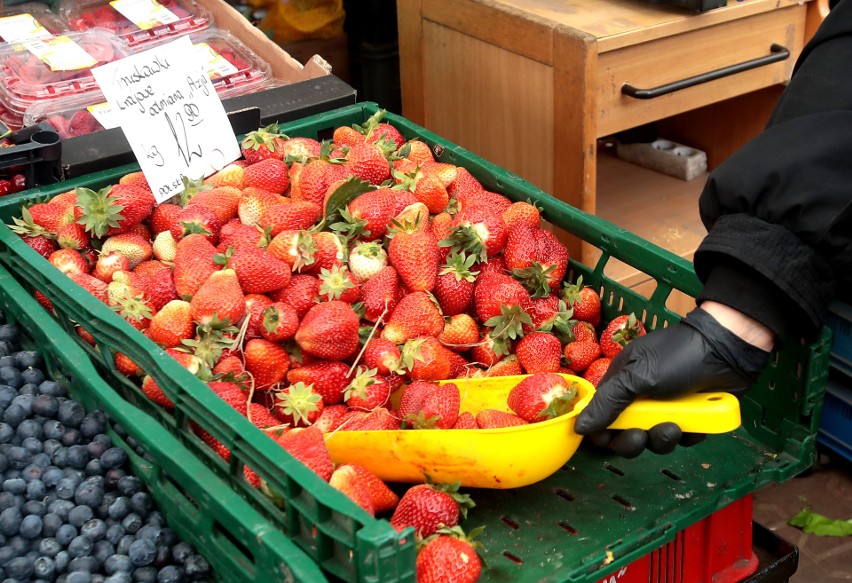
694 355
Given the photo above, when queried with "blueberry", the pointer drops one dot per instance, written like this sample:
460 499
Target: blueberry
41 459
141 503
7 393
50 524
25 401
66 487
196 567
170 574
51 388
7 432
132 523
49 547
65 534
15 486
7 553
31 429
61 508
46 406
33 472
99 444
19 568
19 544
71 437
80 515
78 577
95 529
167 537
114 533
61 560
7 500
155 518
33 376
89 493
103 508
129 485
36 490
122 547
36 507
118 564
53 432
142 552
28 388
94 468
80 546
44 568
114 476
13 415
71 413
86 563
150 532
6 360
18 457
145 575
164 557
78 457
181 552
11 376
122 578
10 521
103 550
93 424
28 359
31 526
114 457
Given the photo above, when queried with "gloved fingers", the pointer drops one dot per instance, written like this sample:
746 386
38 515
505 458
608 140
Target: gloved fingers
612 396
630 443
690 439
601 439
663 438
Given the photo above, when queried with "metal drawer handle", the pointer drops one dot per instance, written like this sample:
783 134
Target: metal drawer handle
777 53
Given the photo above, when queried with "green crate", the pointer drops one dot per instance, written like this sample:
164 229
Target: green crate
594 516
200 507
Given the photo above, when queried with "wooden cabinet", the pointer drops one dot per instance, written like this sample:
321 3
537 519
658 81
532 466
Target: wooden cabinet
536 86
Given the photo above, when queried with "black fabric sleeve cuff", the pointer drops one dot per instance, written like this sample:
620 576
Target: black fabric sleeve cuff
766 272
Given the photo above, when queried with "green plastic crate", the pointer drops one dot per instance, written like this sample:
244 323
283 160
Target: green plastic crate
200 507
589 519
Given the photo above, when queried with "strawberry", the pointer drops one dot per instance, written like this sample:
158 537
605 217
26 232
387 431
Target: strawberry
494 290
454 284
484 352
271 175
257 271
295 248
297 405
301 147
446 173
417 151
522 212
550 314
416 213
338 283
329 379
108 264
494 265
428 507
314 179
69 261
91 284
494 419
536 258
539 352
255 305
291 216
579 355
330 251
232 394
379 294
194 264
136 248
114 209
158 287
465 420
368 161
196 220
164 246
542 396
266 361
464 184
460 333
263 144
426 359
413 396
329 330
415 315
153 391
233 365
449 555
219 301
261 417
366 259
230 175
47 218
440 408
584 301
347 136
413 251
126 366
596 370
308 446
508 366
427 188
382 355
346 479
482 197
135 179
301 293
382 498
379 419
279 322
618 333
367 390
223 201
253 204
331 418
385 131
235 234
163 216
478 230
373 211
584 332
42 245
72 236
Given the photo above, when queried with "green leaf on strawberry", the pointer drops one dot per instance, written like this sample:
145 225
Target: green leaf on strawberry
346 193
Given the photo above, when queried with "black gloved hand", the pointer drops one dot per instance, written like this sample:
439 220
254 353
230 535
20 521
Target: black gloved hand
694 355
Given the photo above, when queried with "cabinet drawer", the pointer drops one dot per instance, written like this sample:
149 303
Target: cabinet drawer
698 52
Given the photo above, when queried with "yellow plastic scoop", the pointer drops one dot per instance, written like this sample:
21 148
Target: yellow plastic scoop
514 456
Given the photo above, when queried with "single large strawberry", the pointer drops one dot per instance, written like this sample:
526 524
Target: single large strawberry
69 261
428 507
163 216
223 201
332 417
379 294
267 362
460 333
279 322
374 210
579 355
194 264
297 405
415 315
619 333
314 178
338 283
257 271
477 230
235 234
291 216
114 209
368 161
449 555
413 251
301 293
308 446
270 174
254 202
454 284
366 259
494 290
134 247
328 377
383 499
367 390
584 301
495 419
539 352
347 480
542 396
536 257
426 359
196 220
596 370
426 188
440 409
522 212
329 330
262 144
382 355
219 301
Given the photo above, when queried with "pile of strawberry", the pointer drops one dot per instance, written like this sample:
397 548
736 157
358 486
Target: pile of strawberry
308 281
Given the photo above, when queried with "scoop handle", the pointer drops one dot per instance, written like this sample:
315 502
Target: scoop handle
696 413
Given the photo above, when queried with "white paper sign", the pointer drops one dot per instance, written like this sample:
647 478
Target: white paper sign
170 114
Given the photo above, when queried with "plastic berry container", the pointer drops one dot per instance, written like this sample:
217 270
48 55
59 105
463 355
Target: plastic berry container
26 78
233 68
27 21
138 22
72 117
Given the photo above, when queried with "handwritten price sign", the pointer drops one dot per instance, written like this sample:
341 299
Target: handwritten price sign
170 114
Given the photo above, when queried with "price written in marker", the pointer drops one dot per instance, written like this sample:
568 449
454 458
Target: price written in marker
170 113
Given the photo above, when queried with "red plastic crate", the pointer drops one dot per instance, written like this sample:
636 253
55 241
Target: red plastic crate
717 549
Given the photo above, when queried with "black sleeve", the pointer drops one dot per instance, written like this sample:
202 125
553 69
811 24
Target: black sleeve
779 211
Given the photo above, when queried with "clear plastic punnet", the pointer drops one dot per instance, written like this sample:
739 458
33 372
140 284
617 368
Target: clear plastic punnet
233 67
138 22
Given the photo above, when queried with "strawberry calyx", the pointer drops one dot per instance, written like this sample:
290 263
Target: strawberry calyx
334 282
132 308
629 331
464 501
457 532
306 250
571 291
467 238
350 227
101 211
208 345
535 278
560 324
459 265
508 326
26 227
224 258
559 401
263 137
419 420
358 386
191 187
298 401
372 123
411 353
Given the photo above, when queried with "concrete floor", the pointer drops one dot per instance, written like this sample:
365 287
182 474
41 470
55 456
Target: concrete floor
828 490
